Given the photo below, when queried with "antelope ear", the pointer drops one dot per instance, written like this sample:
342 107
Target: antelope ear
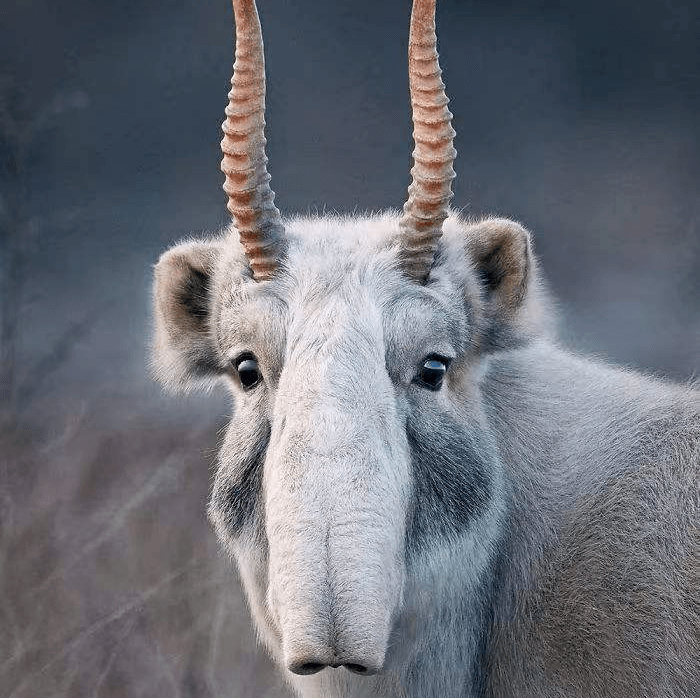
502 258
184 352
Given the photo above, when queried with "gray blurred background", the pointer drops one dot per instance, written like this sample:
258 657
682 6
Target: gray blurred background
579 119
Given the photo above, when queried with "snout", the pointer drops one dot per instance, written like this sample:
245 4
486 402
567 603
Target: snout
334 609
336 496
320 629
334 603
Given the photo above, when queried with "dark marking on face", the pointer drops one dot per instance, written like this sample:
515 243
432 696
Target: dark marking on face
239 500
451 479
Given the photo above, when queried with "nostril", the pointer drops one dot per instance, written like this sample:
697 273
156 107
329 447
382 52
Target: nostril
356 668
306 668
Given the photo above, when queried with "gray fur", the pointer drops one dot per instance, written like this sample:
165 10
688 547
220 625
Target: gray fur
531 529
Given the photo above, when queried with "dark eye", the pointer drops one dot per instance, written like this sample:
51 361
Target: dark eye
248 371
431 372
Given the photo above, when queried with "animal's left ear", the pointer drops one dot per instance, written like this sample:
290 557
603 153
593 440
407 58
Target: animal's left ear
501 256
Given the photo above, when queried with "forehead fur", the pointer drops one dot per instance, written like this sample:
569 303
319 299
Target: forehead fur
348 268
342 242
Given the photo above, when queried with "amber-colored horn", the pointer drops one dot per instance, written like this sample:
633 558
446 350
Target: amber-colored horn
430 191
251 201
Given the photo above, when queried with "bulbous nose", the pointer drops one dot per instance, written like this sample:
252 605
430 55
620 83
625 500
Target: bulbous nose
312 665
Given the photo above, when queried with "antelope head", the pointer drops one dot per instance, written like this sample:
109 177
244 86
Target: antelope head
352 348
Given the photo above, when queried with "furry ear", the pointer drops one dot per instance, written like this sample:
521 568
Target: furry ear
184 353
501 256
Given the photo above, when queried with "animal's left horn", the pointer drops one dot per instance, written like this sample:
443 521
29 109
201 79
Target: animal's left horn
430 191
250 198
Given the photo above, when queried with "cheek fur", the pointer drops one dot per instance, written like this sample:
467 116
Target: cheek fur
451 482
237 499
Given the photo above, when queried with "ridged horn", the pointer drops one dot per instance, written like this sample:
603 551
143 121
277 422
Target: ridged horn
250 198
430 191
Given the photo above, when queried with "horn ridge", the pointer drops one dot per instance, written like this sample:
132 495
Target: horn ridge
430 191
247 184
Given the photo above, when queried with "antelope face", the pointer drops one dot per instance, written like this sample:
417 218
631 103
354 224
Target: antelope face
357 442
353 349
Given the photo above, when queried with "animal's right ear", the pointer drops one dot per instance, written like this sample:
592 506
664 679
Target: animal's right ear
184 353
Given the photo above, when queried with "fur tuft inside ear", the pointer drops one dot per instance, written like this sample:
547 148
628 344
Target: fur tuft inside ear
513 307
184 352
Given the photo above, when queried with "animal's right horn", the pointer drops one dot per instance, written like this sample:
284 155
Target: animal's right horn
250 198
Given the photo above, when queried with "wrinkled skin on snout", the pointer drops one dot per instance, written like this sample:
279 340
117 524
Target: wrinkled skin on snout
343 464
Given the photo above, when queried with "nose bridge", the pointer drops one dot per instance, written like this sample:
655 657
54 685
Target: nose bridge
334 391
336 440
326 434
335 510
333 462
336 350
